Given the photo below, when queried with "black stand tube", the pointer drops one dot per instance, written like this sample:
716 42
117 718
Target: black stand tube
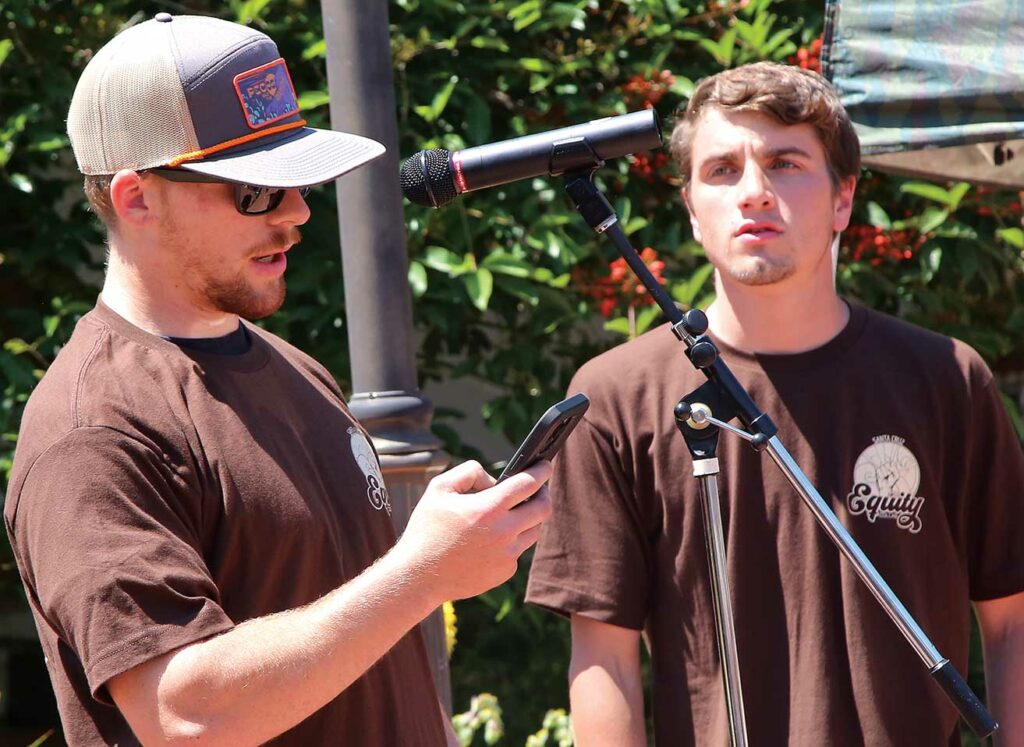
703 354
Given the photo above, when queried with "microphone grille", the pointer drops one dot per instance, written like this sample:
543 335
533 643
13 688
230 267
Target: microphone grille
427 178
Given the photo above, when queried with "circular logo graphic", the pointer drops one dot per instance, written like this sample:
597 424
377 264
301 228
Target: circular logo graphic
376 491
889 469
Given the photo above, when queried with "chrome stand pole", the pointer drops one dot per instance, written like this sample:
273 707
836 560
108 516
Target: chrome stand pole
706 472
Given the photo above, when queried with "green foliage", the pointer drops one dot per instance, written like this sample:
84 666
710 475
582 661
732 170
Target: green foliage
950 262
515 651
555 731
503 279
484 712
512 252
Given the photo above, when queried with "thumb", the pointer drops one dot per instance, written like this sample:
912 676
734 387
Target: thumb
468 477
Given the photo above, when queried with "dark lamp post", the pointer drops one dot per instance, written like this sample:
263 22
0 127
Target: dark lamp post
377 299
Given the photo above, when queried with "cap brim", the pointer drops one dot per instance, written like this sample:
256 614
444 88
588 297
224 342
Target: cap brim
301 159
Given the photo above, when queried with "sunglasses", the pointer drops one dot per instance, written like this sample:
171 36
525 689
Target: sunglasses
249 200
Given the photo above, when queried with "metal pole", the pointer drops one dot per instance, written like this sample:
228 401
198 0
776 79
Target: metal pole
375 265
706 471
862 565
692 420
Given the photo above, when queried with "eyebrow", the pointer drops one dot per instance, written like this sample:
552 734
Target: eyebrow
733 155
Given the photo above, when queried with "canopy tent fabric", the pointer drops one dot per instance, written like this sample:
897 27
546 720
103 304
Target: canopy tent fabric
935 88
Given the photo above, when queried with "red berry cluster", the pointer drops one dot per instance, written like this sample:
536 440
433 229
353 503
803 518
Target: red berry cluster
809 58
876 245
1010 210
621 287
1003 211
647 167
648 91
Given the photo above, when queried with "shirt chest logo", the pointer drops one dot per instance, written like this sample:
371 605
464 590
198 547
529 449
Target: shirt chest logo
886 477
376 491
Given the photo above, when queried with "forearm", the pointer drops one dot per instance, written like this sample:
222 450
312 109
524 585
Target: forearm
607 709
1002 635
259 679
266 675
605 685
1004 663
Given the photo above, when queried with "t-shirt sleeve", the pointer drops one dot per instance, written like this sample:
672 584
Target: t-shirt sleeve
107 536
592 558
995 499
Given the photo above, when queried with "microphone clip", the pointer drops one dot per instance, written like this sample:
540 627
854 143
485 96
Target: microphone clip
574 154
588 200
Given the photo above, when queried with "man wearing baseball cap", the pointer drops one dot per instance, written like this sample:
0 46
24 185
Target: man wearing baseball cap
201 526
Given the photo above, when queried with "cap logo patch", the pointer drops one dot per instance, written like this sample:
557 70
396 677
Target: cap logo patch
266 93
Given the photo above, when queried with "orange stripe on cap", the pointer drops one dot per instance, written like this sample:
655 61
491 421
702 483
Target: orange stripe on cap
197 154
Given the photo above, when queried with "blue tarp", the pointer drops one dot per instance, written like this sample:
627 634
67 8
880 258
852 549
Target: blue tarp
946 76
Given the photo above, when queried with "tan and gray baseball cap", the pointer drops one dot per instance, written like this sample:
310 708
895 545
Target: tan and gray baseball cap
204 95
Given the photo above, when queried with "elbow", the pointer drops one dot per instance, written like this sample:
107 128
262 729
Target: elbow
173 700
171 728
190 716
175 716
174 730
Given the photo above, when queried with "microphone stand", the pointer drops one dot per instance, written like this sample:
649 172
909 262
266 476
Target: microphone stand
692 420
729 399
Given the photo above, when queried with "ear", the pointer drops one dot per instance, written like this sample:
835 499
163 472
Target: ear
694 224
843 204
131 198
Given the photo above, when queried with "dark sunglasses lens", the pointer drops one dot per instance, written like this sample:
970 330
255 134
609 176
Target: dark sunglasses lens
257 200
274 198
245 197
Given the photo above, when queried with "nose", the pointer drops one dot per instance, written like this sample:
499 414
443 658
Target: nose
293 210
755 189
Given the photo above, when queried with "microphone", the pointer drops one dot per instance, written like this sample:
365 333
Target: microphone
433 178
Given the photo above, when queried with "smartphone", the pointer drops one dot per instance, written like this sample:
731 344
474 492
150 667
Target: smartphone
548 434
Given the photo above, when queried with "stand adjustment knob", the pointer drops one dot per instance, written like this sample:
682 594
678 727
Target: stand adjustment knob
703 353
696 322
759 441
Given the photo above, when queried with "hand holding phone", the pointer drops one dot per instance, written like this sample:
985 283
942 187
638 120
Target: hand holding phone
548 434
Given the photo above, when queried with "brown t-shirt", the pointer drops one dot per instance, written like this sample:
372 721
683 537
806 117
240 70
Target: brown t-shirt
883 410
162 495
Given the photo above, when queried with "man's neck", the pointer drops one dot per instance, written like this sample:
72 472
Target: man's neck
771 319
157 308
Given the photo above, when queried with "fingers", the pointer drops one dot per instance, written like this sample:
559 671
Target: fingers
530 513
523 485
526 540
468 477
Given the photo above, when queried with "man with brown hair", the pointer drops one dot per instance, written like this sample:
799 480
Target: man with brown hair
877 412
201 525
